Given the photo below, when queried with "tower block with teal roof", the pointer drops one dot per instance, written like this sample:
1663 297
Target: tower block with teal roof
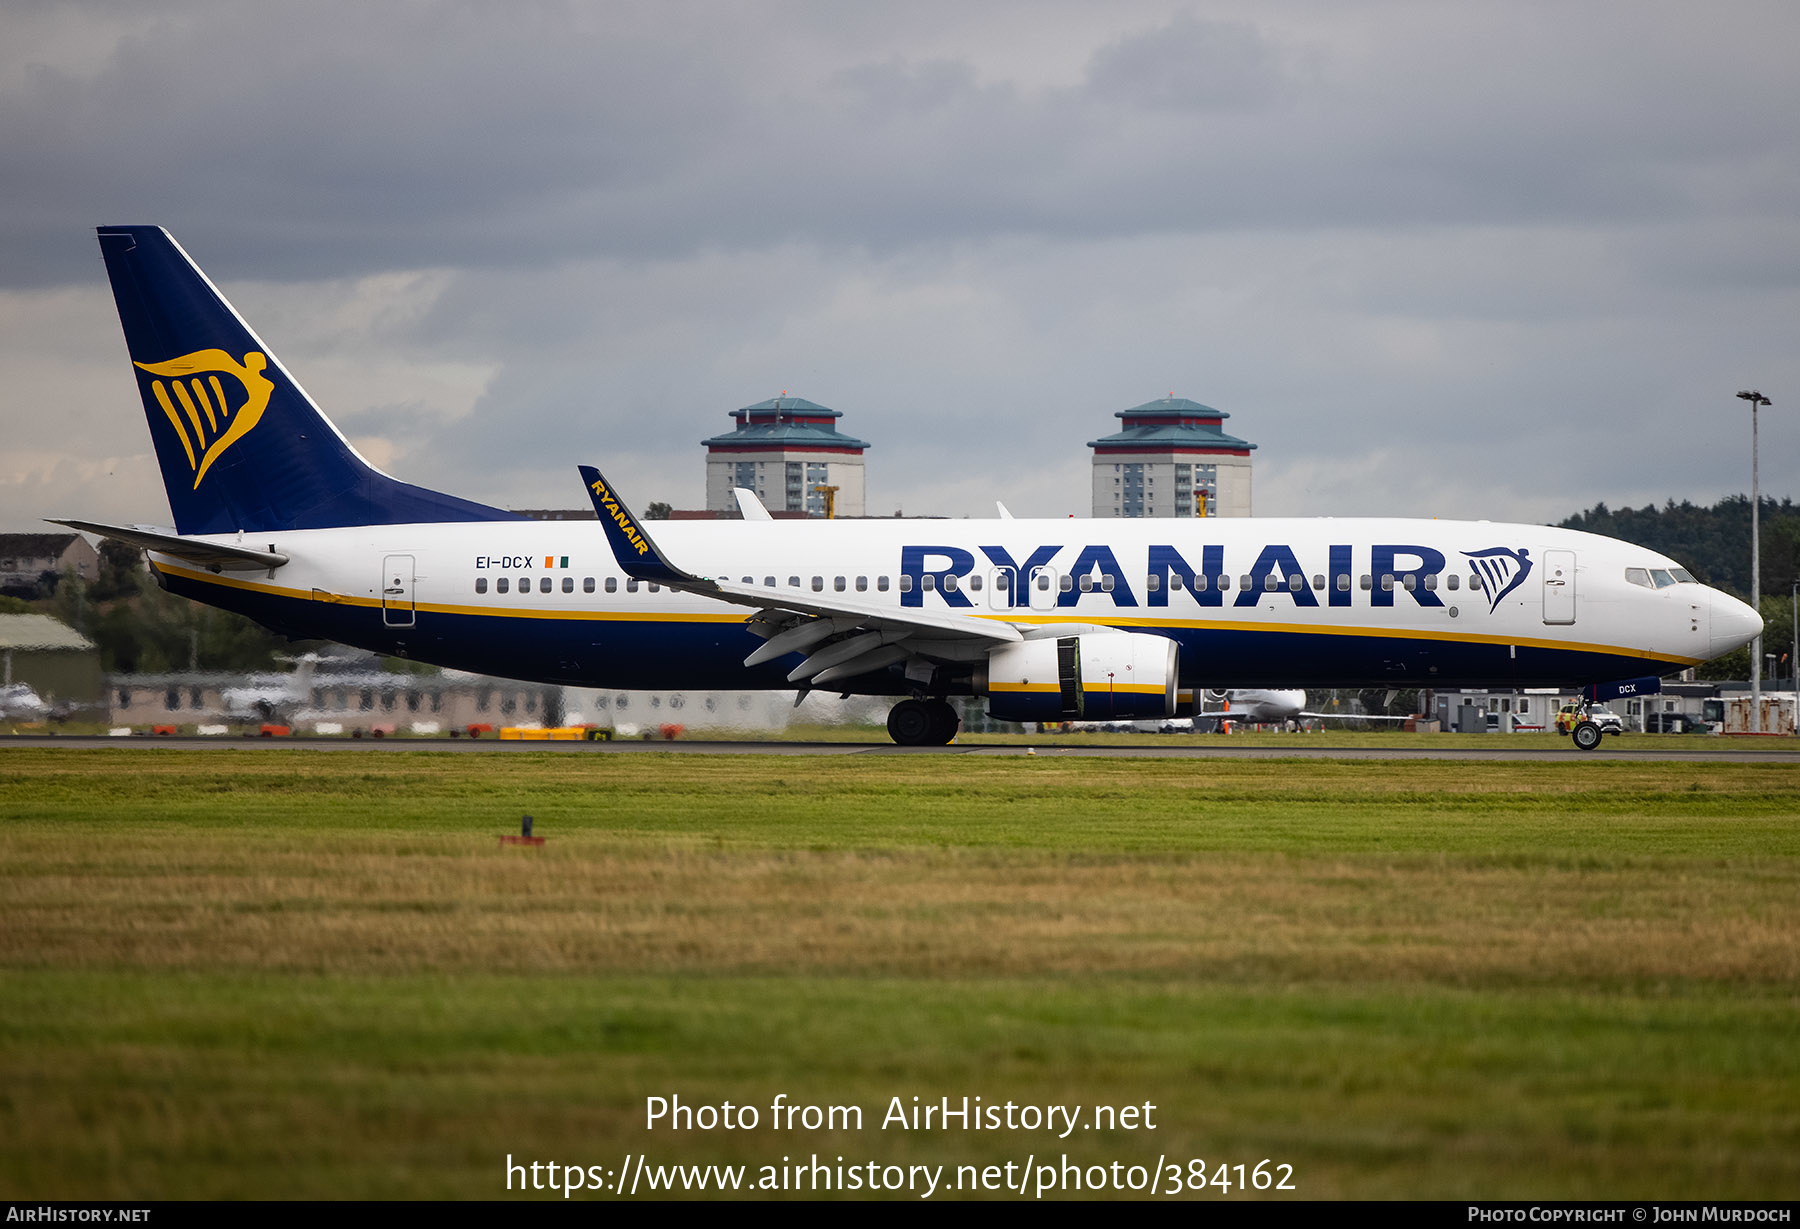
784 449
1168 455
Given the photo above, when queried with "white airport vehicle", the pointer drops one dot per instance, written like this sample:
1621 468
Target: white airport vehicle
277 516
18 702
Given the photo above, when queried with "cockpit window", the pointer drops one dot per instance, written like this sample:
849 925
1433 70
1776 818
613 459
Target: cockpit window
1661 577
1638 576
1683 575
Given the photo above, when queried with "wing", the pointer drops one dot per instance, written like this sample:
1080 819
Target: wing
845 637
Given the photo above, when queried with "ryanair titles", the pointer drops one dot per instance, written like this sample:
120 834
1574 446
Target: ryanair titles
1039 580
608 505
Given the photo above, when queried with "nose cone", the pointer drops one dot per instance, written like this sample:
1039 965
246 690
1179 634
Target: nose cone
1733 624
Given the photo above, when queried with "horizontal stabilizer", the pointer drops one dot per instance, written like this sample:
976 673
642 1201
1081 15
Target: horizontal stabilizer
218 555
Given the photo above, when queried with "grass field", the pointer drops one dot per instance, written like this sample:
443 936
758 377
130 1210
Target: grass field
285 973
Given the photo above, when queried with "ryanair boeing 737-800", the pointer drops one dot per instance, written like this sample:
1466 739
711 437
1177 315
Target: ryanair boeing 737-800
279 518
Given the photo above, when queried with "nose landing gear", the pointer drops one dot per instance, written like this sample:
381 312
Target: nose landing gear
923 723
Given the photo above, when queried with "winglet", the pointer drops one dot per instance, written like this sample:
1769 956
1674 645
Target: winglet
638 556
750 506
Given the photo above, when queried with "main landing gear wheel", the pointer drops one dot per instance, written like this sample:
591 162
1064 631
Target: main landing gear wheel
945 722
922 723
1587 735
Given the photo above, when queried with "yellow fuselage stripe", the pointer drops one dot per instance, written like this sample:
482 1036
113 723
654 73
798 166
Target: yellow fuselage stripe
1148 624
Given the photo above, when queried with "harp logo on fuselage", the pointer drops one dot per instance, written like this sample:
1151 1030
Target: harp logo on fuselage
210 414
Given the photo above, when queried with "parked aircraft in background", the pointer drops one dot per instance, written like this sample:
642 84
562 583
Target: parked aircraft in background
1239 706
284 698
277 516
1269 706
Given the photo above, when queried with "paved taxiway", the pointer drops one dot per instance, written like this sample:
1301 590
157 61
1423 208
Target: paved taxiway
1785 752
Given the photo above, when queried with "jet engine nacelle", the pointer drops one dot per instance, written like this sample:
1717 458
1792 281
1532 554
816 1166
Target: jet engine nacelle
1096 676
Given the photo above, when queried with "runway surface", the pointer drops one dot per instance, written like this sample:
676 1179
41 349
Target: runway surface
1785 751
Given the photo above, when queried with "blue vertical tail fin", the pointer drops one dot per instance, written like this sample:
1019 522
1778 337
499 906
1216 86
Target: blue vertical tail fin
241 445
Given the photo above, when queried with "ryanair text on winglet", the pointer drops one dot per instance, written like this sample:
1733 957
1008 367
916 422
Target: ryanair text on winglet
618 514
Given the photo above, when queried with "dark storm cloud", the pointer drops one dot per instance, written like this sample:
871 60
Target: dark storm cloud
338 138
1489 259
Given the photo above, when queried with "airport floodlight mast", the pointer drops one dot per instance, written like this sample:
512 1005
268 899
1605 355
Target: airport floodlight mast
1756 400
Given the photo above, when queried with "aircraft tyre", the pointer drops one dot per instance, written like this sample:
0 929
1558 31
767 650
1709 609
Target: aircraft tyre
911 723
1587 736
922 723
945 722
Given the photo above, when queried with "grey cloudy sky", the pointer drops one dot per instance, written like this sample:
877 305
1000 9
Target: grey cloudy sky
1494 260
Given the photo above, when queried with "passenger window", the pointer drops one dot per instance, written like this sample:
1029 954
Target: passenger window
839 584
1411 581
906 585
1043 581
950 584
1475 585
1387 582
862 584
587 584
1367 582
1318 580
524 584
975 582
928 582
612 584
1296 582
481 584
1224 582
793 582
1087 584
881 584
1065 583
1152 584
1246 581
1451 580
1343 582
631 586
1106 582
1431 580
655 588
568 584
769 582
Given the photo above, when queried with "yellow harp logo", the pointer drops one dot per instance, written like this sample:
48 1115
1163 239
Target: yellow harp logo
208 425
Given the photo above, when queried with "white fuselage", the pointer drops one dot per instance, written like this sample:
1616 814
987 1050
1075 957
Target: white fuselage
1251 602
